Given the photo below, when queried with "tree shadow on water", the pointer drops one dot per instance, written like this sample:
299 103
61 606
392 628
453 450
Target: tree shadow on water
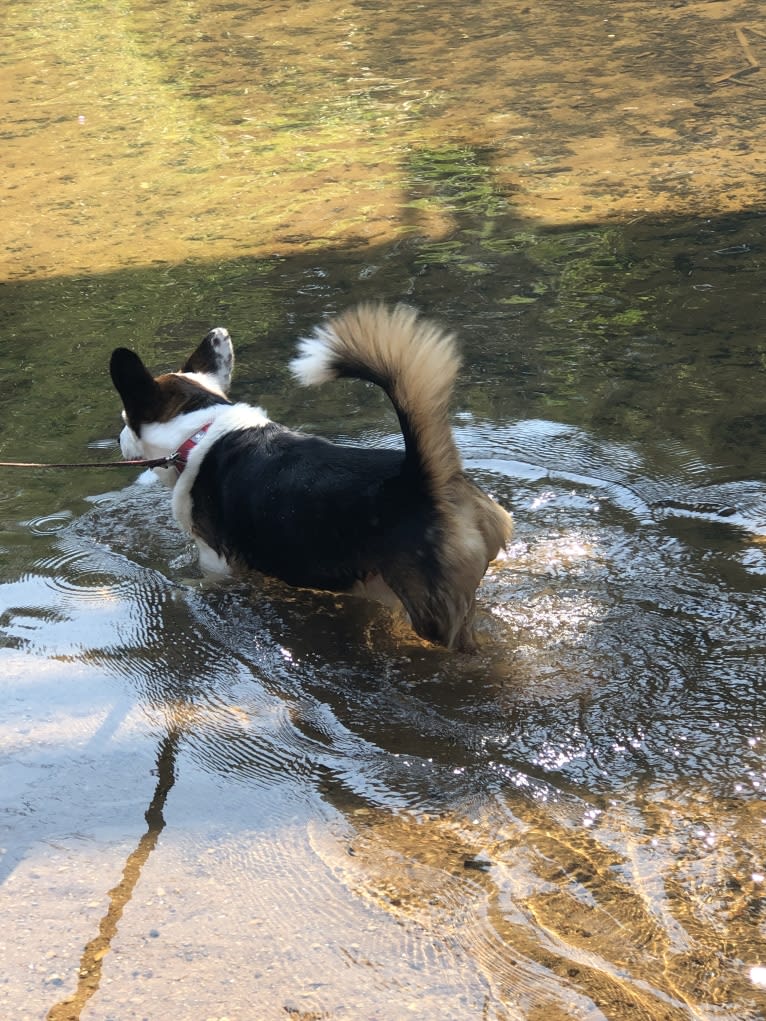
94 953
648 333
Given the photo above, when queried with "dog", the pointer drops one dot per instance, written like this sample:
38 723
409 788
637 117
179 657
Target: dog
404 526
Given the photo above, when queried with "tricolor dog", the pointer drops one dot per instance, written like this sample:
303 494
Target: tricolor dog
404 526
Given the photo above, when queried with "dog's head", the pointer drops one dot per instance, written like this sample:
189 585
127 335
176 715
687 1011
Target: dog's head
161 412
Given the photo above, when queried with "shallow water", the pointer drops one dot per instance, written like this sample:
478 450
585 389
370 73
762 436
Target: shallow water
248 802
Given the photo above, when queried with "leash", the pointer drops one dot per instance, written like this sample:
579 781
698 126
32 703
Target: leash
178 458
156 462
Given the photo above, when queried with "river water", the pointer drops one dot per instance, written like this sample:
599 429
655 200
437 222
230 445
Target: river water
246 802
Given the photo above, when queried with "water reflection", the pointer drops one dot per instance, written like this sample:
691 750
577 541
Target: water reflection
92 961
561 816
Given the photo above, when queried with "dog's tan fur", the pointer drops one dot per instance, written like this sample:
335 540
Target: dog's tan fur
416 363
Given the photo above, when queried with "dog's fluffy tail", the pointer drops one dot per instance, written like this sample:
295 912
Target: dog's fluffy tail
413 360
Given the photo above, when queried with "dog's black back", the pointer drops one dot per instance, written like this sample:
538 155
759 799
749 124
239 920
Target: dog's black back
313 513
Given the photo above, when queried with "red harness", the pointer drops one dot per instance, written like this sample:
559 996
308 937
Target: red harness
181 456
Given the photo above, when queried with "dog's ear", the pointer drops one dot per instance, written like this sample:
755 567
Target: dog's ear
135 384
214 357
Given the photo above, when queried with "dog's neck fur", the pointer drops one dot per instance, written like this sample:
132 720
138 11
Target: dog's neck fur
228 418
